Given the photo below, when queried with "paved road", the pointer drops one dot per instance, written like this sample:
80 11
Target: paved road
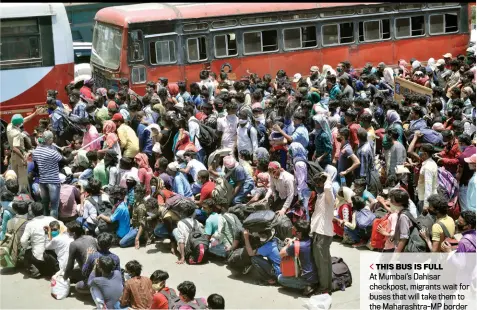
240 292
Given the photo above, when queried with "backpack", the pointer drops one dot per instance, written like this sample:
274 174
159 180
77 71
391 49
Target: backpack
10 252
207 136
378 240
197 244
415 243
260 221
234 223
447 182
341 275
365 218
242 211
313 169
283 227
104 207
176 303
223 189
261 134
179 205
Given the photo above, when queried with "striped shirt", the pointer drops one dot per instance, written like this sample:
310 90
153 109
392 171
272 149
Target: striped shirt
47 160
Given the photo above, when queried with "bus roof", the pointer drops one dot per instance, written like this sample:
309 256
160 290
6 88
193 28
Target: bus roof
148 12
19 10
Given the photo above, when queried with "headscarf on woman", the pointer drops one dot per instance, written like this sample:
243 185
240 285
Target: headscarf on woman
297 152
323 122
432 63
142 161
173 89
109 130
346 198
403 65
392 117
145 171
182 142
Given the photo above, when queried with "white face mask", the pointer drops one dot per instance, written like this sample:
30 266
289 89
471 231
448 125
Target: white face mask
243 121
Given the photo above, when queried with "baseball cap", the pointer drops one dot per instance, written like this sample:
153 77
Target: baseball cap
296 77
112 105
440 62
117 117
314 69
448 55
471 159
180 154
174 166
382 65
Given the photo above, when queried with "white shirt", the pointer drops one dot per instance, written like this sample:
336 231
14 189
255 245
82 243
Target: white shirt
89 212
244 142
195 166
285 185
35 236
183 230
427 183
61 246
322 218
194 132
228 126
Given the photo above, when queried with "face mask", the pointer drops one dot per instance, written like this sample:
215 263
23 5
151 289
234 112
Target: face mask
395 208
361 124
243 121
339 69
55 233
127 276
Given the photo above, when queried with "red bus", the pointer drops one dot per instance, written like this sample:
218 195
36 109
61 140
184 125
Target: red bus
146 41
36 55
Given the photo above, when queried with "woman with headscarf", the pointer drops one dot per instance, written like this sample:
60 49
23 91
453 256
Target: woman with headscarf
182 142
335 154
327 70
300 169
323 138
344 210
145 172
111 140
403 67
242 181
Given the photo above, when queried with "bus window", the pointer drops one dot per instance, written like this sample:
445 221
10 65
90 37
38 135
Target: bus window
107 42
138 75
162 52
300 37
260 41
374 30
136 46
443 23
337 34
196 49
409 26
225 45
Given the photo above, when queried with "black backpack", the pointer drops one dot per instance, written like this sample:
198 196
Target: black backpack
341 275
283 227
259 221
104 207
261 134
313 169
207 136
415 243
197 246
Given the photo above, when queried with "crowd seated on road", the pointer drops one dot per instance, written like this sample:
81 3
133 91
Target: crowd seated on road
261 173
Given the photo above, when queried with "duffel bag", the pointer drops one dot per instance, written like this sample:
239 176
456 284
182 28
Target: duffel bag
259 221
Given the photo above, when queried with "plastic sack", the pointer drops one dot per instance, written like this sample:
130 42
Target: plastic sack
318 302
60 288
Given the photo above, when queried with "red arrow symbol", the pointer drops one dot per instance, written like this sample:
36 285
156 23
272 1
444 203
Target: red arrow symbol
371 266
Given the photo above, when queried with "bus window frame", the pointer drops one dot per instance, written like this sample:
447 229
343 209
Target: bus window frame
261 42
399 9
339 34
198 50
162 39
130 60
380 30
145 74
223 20
39 62
301 38
410 36
227 44
195 30
444 28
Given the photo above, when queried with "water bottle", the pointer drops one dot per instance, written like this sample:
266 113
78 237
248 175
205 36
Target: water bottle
343 181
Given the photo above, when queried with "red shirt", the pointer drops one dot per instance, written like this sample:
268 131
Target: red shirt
353 135
206 191
86 91
167 194
450 157
159 301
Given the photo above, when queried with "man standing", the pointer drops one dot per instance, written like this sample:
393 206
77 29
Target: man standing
16 142
47 159
427 183
246 135
322 231
127 137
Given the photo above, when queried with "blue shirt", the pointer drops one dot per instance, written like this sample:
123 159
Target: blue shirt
212 224
181 186
301 135
271 252
121 215
309 273
47 160
367 195
145 141
471 194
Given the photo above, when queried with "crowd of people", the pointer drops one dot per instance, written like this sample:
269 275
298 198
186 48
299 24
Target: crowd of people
332 154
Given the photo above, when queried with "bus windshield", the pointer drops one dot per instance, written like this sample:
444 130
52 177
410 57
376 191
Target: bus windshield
106 49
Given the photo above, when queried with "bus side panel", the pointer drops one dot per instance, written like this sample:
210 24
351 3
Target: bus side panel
433 46
25 102
333 55
371 52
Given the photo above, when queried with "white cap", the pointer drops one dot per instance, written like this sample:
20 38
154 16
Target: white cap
174 166
448 55
180 154
400 169
157 148
296 77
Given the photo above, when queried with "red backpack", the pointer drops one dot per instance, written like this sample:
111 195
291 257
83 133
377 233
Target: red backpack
378 240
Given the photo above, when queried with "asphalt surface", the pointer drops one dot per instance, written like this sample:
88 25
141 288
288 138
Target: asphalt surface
17 291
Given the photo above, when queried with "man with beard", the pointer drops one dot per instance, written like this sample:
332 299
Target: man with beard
313 79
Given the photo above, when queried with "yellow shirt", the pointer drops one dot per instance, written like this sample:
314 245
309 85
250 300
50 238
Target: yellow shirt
128 140
437 229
